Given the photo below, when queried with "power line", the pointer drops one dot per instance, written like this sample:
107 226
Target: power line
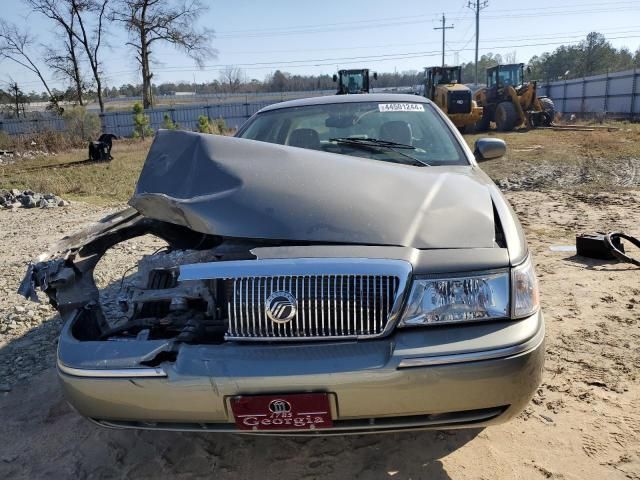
559 36
416 19
332 61
357 59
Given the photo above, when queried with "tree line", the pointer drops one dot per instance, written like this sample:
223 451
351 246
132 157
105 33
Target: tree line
592 56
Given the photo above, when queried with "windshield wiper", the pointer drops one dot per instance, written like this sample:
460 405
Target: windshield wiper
372 141
376 143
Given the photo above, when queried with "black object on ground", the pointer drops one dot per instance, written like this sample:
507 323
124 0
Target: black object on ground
613 240
594 245
605 246
100 150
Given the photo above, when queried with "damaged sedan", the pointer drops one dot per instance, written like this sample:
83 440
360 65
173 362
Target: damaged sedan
341 265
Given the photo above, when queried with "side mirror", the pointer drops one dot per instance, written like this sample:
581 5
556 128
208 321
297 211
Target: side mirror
335 77
375 75
488 148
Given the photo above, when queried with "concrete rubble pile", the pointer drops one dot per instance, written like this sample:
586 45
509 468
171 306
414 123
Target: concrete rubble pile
14 198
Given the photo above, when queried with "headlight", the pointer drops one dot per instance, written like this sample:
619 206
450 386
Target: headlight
436 301
524 290
484 296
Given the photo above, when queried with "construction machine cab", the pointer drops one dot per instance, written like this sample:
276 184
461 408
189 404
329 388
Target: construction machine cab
353 81
501 76
435 76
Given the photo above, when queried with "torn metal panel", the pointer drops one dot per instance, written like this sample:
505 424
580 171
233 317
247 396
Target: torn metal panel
247 189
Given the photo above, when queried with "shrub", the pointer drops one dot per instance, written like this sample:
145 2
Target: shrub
206 125
81 126
168 123
141 128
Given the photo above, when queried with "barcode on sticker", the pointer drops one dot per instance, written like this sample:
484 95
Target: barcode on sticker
400 107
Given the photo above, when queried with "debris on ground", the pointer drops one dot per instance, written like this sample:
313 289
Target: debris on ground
12 199
26 155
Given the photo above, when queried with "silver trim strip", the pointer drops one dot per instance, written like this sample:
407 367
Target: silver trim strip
519 349
299 266
112 372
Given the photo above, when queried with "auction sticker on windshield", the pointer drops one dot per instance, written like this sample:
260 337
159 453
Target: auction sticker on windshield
400 107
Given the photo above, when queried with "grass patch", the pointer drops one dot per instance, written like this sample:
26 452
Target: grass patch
99 183
601 157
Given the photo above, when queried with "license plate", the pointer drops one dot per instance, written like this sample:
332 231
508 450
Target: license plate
303 411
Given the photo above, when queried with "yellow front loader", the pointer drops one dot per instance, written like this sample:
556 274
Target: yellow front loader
442 85
510 102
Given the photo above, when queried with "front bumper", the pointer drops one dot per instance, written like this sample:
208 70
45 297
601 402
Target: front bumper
421 378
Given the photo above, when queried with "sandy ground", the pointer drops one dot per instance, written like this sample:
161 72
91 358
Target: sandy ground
583 423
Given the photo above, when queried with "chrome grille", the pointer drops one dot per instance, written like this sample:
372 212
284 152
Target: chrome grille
328 306
336 297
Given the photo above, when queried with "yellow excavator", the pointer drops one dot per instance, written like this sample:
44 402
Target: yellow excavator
510 102
443 86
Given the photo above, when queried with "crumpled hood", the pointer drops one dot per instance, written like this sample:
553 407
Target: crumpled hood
243 188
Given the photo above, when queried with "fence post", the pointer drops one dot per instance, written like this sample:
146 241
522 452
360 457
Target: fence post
584 87
633 93
606 94
564 96
246 106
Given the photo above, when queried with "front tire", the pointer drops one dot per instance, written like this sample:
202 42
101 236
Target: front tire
549 109
506 117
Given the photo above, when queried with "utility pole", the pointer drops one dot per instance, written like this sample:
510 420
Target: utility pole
444 29
477 6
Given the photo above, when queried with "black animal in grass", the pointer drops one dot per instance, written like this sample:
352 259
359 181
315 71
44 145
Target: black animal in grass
100 150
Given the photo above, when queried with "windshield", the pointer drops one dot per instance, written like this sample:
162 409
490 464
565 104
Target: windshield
446 76
325 128
352 82
506 76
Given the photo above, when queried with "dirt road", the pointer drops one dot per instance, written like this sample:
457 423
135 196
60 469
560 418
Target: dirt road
584 422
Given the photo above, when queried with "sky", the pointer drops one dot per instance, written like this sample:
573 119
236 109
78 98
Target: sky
314 37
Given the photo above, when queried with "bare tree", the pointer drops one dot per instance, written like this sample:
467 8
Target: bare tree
16 45
71 16
65 63
231 77
170 21
18 98
510 57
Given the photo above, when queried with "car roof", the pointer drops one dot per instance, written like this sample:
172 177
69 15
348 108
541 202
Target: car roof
355 98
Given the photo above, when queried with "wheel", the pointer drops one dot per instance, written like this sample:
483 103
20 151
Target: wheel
549 109
506 117
483 124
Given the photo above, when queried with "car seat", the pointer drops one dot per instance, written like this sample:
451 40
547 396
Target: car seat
304 138
396 131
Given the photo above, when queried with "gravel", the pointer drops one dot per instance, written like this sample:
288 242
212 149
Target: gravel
14 198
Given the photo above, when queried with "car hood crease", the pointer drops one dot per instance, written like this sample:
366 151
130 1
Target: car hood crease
244 188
